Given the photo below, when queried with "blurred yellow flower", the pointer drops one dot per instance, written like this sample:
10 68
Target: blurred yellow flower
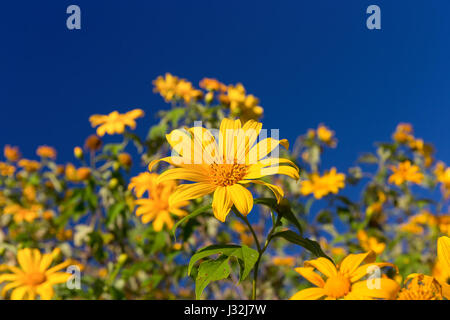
344 281
326 135
33 277
93 143
141 183
77 175
21 214
403 133
125 159
78 152
224 168
165 86
377 206
242 105
212 85
320 186
115 122
420 287
29 165
46 152
6 169
157 207
404 172
185 90
11 153
29 193
370 243
283 261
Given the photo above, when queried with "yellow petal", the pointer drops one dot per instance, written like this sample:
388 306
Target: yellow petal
312 276
183 174
387 289
221 203
19 293
241 197
309 294
352 262
186 192
366 269
443 251
323 265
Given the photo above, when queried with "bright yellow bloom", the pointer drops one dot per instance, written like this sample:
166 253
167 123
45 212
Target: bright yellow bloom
29 165
186 91
77 175
6 169
320 186
21 214
157 207
405 171
29 192
33 277
344 281
443 254
141 183
166 86
115 122
283 261
224 168
78 152
416 223
212 85
370 243
46 152
245 106
403 133
420 287
11 153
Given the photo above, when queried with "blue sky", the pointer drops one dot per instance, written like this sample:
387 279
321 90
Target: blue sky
308 61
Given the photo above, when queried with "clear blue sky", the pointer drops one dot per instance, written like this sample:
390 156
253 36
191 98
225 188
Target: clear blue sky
308 62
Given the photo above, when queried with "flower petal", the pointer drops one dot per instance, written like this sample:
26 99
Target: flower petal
323 265
309 294
241 197
312 276
221 203
352 262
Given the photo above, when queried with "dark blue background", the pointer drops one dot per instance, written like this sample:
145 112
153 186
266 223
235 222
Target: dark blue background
308 62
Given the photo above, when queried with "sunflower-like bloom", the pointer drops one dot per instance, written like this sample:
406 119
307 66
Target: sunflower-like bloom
320 186
403 133
33 277
212 85
405 171
326 135
443 253
11 153
156 207
29 165
115 122
46 152
420 287
224 168
165 86
283 261
343 282
21 214
370 243
246 106
6 169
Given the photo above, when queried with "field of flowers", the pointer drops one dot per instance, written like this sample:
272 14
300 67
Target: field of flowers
210 206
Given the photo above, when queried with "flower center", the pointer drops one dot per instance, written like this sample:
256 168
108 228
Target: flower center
337 286
227 174
35 278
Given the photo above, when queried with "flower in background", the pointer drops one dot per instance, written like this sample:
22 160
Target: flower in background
344 281
443 176
420 287
21 214
186 91
320 186
29 165
6 169
377 206
46 152
11 153
404 172
416 223
165 86
403 133
142 183
33 277
212 85
326 135
224 168
370 243
77 175
115 122
125 159
245 106
156 207
93 143
283 261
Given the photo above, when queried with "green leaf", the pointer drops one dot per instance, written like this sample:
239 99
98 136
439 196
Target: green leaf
306 243
283 209
249 258
209 271
190 216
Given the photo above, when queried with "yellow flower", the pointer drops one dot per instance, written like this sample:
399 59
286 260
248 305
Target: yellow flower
416 223
78 152
212 85
141 183
405 172
6 169
46 152
420 287
21 214
157 207
115 122
166 86
29 193
283 261
403 133
443 254
320 186
186 91
370 243
77 175
33 277
125 159
245 106
29 165
377 206
11 153
224 168
344 281
326 135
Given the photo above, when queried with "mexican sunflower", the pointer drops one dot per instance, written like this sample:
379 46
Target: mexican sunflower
115 122
344 281
224 167
33 276
156 207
